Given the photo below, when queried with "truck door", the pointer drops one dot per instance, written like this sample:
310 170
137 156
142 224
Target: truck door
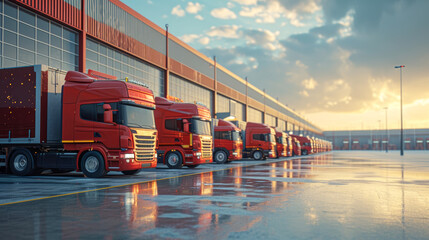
107 133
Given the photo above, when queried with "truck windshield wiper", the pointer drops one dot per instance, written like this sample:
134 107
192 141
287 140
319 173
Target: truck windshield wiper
140 126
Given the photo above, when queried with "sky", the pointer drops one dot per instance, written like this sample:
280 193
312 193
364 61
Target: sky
332 61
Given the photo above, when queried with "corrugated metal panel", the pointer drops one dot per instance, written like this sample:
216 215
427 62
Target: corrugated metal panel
179 53
66 11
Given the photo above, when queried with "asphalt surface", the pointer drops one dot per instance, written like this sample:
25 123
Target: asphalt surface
339 195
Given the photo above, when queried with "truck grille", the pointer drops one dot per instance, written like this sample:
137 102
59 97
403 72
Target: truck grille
144 147
206 148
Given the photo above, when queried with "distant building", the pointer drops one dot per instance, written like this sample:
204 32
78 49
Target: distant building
414 139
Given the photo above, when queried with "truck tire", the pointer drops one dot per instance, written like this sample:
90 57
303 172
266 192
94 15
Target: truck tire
174 160
131 172
220 157
92 165
21 162
304 152
257 155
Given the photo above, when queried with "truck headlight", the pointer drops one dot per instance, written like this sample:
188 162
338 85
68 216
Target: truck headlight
129 155
198 154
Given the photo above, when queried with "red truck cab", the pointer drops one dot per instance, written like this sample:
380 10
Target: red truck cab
296 147
305 143
75 122
282 144
228 145
184 133
260 141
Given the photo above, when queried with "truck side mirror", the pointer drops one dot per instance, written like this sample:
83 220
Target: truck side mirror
185 125
108 114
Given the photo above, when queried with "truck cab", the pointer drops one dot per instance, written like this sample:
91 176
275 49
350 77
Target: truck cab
305 142
185 136
282 145
228 145
260 141
80 123
296 147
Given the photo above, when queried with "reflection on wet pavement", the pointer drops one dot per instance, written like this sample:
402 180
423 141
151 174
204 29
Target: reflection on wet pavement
340 195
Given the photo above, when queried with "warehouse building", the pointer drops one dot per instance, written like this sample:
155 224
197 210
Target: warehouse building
110 37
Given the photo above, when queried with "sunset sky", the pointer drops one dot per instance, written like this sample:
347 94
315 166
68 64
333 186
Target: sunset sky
332 61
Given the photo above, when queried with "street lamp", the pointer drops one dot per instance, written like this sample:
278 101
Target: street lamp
402 125
387 133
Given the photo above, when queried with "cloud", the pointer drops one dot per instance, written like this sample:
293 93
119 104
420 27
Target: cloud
189 38
223 13
204 41
246 2
343 63
199 17
309 83
193 8
178 11
262 37
272 10
226 31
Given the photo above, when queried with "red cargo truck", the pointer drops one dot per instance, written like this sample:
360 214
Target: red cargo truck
289 145
259 141
282 144
51 120
228 145
184 133
305 144
296 147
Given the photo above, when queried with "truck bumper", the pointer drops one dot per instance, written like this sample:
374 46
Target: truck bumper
133 165
190 159
235 155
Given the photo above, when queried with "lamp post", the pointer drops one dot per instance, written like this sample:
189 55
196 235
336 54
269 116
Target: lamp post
402 124
387 133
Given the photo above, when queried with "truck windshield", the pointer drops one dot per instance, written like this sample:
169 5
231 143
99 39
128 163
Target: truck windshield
236 136
270 138
200 127
137 116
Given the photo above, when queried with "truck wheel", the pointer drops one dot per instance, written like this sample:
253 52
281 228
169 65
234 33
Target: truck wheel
131 172
174 160
257 155
220 157
193 166
21 162
304 152
92 165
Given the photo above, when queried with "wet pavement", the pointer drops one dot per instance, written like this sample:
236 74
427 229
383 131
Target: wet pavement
339 195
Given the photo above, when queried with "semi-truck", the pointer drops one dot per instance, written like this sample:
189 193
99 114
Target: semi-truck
305 143
66 121
282 144
184 137
296 149
228 145
259 140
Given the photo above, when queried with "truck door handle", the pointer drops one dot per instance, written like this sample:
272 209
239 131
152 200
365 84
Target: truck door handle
96 134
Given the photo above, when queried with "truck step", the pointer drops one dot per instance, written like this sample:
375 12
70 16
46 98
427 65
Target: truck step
2 160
